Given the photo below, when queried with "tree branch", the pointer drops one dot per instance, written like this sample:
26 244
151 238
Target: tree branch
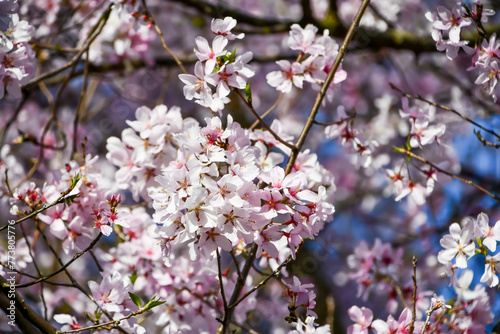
26 311
419 158
324 88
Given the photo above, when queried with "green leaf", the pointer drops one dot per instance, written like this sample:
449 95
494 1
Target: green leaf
230 57
75 180
89 317
248 92
153 303
137 301
98 314
133 277
398 149
69 199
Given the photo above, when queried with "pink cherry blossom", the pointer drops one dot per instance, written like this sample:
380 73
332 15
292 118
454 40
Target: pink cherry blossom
362 317
452 21
290 74
490 235
307 327
223 28
459 243
209 54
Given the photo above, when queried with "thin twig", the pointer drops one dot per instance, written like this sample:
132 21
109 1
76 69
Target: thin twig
310 119
60 200
31 248
419 158
221 284
76 58
12 119
81 104
443 107
414 296
236 263
63 267
267 112
484 141
337 122
240 283
262 283
160 34
250 106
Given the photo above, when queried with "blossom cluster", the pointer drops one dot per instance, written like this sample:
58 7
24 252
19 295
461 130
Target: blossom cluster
221 187
450 22
484 55
486 59
364 323
225 187
16 55
299 295
75 217
318 54
217 68
421 134
126 35
189 290
468 312
146 147
379 270
473 237
353 140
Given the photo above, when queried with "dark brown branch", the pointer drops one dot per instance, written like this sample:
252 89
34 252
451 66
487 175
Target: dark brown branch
212 11
62 268
240 283
24 325
221 284
397 39
26 311
414 296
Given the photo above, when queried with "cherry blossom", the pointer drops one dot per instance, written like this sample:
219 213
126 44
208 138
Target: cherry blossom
363 319
459 243
489 235
223 28
401 325
290 74
307 327
451 20
209 54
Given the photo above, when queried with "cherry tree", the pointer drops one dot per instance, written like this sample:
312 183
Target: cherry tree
206 166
